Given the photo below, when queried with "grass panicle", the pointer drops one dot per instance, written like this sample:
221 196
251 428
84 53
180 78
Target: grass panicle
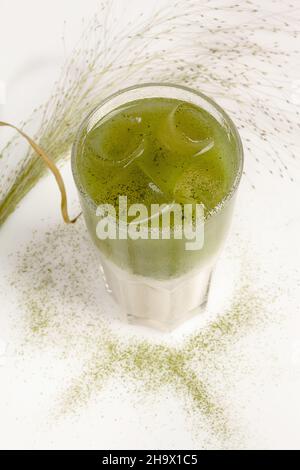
245 55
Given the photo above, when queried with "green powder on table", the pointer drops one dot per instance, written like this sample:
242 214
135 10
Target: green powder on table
56 288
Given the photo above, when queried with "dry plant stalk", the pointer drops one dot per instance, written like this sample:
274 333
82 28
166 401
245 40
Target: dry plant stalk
243 54
52 167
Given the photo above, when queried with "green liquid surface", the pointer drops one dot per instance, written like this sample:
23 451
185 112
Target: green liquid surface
158 150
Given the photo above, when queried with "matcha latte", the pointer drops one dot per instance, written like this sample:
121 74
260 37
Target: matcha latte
160 146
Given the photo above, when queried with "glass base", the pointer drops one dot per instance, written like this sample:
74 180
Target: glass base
162 305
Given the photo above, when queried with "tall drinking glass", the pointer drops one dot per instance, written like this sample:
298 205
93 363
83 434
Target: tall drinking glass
158 282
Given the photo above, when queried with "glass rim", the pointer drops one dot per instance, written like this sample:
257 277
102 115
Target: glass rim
219 109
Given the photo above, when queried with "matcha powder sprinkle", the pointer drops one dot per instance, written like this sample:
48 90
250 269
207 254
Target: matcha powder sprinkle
63 304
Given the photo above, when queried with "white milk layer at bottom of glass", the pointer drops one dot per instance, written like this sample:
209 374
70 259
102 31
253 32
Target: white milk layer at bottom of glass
161 304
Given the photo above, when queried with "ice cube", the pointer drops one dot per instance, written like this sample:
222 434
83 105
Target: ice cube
119 142
160 166
186 131
203 182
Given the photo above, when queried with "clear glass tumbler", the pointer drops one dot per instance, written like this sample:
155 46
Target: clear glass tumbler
158 282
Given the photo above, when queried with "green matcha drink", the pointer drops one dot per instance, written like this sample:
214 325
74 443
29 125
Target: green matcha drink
162 145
